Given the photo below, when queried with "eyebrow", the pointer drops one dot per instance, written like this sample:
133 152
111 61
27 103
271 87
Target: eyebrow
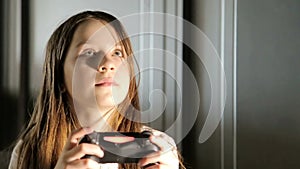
119 44
81 43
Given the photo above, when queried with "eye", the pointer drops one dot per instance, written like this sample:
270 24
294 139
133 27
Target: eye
89 52
118 53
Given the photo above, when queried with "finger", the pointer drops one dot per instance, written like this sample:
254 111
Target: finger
151 165
152 158
83 149
165 137
76 135
162 143
83 163
163 158
159 166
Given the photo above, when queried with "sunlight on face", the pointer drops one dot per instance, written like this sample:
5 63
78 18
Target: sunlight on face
96 71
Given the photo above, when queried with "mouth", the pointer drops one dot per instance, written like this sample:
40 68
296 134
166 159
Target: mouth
106 82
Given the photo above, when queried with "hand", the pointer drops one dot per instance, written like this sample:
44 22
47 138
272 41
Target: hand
166 158
72 153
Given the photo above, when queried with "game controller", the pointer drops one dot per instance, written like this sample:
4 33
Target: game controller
121 147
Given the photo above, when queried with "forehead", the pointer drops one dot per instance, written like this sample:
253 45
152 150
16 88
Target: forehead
95 31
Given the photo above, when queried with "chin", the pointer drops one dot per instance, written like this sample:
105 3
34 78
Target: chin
106 104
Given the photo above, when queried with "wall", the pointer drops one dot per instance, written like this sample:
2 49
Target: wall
268 80
258 43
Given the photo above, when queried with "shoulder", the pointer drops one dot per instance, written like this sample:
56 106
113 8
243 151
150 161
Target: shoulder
15 155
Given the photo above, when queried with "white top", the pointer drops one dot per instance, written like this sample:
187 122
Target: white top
14 156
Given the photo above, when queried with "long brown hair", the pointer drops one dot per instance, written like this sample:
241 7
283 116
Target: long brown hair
53 117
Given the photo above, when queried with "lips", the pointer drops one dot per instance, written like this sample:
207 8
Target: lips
108 81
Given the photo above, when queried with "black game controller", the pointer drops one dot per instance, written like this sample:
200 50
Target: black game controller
121 147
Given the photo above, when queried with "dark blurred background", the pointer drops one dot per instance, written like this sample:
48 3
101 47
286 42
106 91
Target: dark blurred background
14 75
259 42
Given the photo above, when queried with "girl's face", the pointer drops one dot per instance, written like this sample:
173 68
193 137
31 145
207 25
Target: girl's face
96 71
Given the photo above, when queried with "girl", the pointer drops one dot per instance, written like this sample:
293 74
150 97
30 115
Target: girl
88 85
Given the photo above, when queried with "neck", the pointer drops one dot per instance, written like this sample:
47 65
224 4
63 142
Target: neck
95 118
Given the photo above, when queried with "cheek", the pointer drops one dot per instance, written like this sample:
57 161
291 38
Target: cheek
68 74
83 80
79 81
122 77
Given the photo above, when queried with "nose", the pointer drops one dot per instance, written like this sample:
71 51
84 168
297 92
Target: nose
106 65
